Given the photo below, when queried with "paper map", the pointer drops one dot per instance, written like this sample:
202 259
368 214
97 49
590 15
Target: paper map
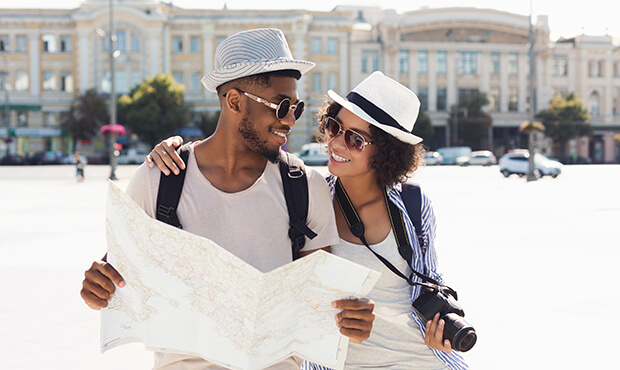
186 294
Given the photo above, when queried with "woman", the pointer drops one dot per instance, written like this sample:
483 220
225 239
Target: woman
371 153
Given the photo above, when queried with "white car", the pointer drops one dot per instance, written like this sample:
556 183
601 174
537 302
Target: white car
313 154
131 156
433 158
479 157
518 163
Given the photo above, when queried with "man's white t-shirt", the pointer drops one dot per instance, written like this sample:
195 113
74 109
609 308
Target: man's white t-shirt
253 224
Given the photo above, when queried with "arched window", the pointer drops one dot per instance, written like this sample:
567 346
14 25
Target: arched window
594 104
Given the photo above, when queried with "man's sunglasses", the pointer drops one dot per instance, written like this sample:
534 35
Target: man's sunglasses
281 109
354 141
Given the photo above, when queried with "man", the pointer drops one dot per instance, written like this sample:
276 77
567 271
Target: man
232 192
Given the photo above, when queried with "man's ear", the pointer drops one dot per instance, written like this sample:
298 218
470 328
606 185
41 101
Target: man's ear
232 101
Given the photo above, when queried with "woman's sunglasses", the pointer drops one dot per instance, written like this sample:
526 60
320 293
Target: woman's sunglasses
281 109
354 141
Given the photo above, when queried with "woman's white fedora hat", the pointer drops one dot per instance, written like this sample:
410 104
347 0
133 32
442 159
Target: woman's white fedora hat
384 103
252 52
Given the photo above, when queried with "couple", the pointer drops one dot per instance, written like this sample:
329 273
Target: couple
233 172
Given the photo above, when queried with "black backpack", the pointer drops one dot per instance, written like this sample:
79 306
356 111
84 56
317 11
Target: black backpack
295 185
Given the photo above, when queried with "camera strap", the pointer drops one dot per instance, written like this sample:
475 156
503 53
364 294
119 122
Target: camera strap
398 226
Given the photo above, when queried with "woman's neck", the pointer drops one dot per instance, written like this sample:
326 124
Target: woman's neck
362 190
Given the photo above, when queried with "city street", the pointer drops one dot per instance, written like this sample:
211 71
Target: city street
535 265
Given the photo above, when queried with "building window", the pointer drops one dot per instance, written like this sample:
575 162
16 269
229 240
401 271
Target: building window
21 81
177 44
194 81
121 85
560 65
136 78
66 82
51 119
468 62
106 82
179 77
403 61
601 68
332 81
22 118
422 61
317 45
332 46
442 99
594 104
21 44
121 40
617 69
49 81
513 63
495 63
65 44
135 42
370 61
494 99
593 68
194 44
49 43
442 58
5 44
423 96
4 81
513 99
317 83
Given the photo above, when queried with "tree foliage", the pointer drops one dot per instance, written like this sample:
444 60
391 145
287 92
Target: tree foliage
207 122
155 109
565 119
424 127
473 122
85 116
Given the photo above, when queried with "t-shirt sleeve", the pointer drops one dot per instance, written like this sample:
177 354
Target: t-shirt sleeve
142 188
321 217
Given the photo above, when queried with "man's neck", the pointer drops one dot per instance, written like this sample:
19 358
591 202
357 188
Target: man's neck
228 164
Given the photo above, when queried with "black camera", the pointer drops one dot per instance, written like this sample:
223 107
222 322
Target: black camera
461 335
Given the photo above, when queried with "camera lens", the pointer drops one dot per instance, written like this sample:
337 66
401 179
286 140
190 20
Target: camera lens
461 335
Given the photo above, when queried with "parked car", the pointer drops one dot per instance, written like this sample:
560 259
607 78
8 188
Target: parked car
478 158
433 158
518 163
313 154
131 156
450 154
46 157
12 160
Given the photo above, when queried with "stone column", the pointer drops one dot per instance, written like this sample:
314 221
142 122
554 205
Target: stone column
84 60
432 80
503 82
34 51
524 70
154 51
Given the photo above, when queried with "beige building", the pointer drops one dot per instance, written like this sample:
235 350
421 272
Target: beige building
51 56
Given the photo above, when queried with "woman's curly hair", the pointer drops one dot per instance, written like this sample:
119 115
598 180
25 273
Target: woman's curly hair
394 160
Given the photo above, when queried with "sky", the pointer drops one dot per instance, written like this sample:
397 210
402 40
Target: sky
592 17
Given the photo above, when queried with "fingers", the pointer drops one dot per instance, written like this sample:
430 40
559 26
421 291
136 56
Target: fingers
98 285
356 318
165 157
434 335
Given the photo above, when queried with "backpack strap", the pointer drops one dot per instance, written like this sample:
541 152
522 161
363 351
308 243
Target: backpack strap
169 192
295 184
412 198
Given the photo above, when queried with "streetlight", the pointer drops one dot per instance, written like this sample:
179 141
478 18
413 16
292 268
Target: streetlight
531 173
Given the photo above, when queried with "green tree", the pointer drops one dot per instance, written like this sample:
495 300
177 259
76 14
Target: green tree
565 119
207 122
85 116
424 127
473 122
155 109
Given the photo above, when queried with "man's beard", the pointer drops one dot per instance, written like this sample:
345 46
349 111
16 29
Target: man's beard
252 139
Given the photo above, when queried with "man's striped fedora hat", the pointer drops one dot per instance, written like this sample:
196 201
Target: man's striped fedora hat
252 52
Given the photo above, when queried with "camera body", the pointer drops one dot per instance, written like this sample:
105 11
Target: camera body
461 335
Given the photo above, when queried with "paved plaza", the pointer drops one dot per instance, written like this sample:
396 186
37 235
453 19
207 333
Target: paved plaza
534 265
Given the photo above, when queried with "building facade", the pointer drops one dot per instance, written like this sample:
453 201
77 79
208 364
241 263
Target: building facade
49 57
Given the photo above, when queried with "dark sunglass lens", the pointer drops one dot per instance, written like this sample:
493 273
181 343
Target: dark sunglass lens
283 108
354 141
299 109
332 126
